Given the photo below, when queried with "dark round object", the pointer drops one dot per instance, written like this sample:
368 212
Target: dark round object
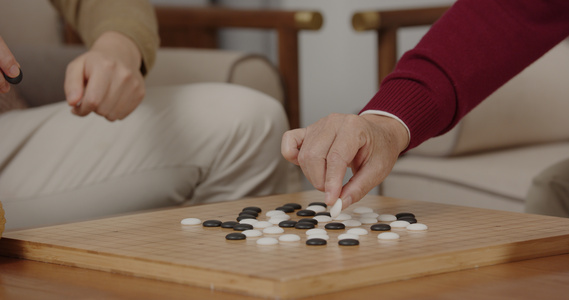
286 209
380 227
249 212
228 224
313 221
316 242
411 220
212 223
306 213
14 80
254 208
242 227
245 216
335 226
318 203
294 205
235 236
348 242
324 213
287 224
404 214
304 225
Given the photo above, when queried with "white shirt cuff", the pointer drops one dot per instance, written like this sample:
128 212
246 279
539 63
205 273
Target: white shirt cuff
386 114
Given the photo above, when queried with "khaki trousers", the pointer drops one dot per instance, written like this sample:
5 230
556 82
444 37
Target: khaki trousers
189 144
549 193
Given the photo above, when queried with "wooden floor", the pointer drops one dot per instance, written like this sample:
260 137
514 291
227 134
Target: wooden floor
544 278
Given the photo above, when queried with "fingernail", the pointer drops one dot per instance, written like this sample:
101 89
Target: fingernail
14 71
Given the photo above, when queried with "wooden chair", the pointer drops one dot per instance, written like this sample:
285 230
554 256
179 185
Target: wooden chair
197 27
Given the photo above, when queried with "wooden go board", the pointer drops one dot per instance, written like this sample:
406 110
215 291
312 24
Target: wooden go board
155 245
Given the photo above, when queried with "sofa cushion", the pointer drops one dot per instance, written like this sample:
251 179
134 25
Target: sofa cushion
506 173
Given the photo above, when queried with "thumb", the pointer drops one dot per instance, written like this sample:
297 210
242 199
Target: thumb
74 84
359 185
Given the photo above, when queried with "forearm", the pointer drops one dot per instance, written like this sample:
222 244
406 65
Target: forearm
469 53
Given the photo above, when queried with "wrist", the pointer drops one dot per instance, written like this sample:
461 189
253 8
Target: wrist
118 45
393 127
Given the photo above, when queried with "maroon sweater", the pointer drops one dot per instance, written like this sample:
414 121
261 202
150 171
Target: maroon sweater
476 47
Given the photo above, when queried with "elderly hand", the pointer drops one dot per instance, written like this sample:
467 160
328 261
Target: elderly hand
106 80
368 144
8 65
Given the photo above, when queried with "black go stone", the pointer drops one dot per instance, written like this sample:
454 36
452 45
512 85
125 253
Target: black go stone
404 214
212 223
306 213
287 224
245 216
228 224
286 209
254 208
348 242
408 219
318 203
313 221
380 227
235 236
335 226
316 242
242 227
294 205
304 225
324 213
249 212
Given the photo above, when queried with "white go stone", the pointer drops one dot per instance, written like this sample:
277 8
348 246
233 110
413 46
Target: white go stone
273 230
336 209
399 224
417 226
342 217
323 219
316 231
368 220
369 215
289 238
249 221
277 219
272 213
262 224
252 233
362 210
388 236
267 241
357 231
316 208
318 236
191 221
352 223
344 236
386 218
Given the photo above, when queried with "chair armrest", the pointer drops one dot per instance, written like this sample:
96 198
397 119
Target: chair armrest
186 65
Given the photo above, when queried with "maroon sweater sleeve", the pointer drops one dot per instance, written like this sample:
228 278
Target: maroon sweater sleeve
476 47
